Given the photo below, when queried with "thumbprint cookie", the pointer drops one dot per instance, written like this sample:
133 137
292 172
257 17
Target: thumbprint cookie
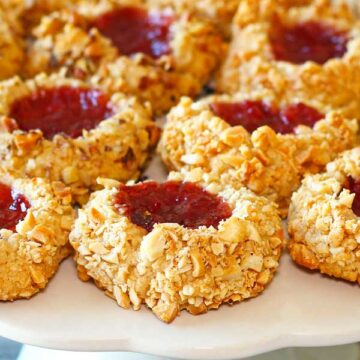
324 224
157 55
310 53
254 140
65 130
35 221
187 243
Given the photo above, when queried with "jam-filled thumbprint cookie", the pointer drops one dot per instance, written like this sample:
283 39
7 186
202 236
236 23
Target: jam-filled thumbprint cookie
63 129
157 55
254 140
310 53
35 221
185 243
324 223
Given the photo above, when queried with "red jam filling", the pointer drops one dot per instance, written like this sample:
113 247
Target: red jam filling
186 204
354 187
134 30
63 110
253 114
13 207
308 41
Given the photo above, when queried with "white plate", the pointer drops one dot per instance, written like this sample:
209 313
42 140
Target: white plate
298 309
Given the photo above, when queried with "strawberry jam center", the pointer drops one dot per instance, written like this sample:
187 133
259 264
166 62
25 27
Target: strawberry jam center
64 110
354 187
13 207
134 30
186 204
308 41
253 114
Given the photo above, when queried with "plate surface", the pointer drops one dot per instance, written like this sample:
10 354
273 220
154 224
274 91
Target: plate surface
298 309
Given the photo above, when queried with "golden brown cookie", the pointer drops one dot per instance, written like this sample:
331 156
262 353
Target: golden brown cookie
323 221
36 218
154 243
310 53
269 161
64 129
108 45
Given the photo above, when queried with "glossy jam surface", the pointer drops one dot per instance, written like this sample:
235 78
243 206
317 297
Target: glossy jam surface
13 207
253 114
186 204
353 186
134 30
64 110
308 41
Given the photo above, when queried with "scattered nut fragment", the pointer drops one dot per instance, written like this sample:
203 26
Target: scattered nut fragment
234 230
28 223
98 248
198 264
192 159
111 257
121 298
263 277
69 175
253 262
217 248
41 234
152 245
96 215
166 312
37 276
234 136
